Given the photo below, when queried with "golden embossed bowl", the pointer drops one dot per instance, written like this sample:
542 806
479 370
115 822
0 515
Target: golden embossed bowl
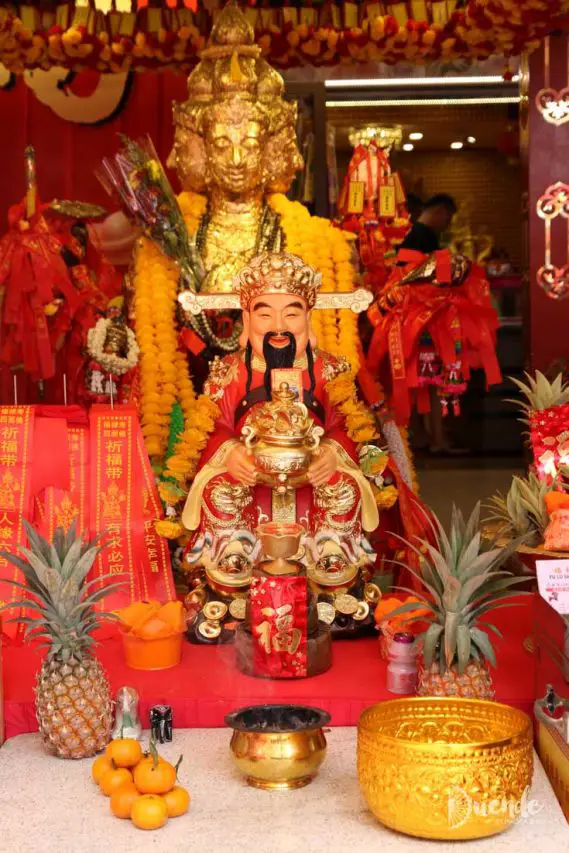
445 768
278 746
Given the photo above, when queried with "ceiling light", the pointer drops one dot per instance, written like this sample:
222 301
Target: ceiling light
424 102
408 146
471 140
383 82
456 146
416 136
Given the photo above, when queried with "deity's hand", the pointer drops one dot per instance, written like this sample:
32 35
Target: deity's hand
324 466
241 466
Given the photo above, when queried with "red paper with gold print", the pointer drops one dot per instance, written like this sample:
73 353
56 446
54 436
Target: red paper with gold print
157 581
123 501
279 626
549 433
57 507
112 491
16 446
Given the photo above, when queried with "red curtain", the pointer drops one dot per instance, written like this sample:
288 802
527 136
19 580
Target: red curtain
68 153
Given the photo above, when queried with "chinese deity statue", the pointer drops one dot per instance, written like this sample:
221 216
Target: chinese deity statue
286 447
235 153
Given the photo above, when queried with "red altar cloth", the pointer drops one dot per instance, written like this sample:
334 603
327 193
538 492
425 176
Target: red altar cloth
206 685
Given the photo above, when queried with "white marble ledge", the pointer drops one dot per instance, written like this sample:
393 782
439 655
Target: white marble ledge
51 805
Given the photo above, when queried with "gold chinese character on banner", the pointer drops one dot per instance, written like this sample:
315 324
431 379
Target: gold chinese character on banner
285 638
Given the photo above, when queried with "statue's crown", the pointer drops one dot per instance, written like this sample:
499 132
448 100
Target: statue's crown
231 64
277 273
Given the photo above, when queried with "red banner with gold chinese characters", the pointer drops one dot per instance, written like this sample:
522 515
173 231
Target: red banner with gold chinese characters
16 447
279 626
95 471
157 581
123 500
58 507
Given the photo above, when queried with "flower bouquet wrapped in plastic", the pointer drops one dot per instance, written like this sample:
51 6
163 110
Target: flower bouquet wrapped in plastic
135 177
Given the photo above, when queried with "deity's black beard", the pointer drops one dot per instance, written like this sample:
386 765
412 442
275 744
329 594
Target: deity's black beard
277 357
282 357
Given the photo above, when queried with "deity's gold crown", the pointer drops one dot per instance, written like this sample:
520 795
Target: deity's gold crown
232 66
277 273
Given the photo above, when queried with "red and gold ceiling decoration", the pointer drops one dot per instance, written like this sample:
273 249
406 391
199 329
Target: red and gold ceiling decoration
120 35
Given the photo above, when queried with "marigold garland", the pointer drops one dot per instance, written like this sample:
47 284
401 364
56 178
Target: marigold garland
479 30
361 424
327 249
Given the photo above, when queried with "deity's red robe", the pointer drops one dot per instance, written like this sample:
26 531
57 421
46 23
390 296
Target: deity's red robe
227 385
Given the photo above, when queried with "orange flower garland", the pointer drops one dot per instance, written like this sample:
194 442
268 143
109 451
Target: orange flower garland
327 249
360 421
126 42
154 308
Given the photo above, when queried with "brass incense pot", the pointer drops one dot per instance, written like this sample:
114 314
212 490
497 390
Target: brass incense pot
278 747
282 438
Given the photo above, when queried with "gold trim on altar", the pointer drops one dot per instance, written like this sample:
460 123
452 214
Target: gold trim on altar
357 301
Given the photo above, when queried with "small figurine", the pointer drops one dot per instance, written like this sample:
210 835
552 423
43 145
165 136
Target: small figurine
113 351
551 710
161 723
127 721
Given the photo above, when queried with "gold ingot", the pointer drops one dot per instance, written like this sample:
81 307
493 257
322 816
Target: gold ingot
326 612
445 768
237 608
372 593
346 604
210 630
195 598
215 611
362 612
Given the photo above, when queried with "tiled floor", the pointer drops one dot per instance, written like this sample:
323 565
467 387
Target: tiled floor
440 488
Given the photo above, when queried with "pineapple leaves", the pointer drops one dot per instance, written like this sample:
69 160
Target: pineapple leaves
430 641
450 635
57 592
37 542
482 641
463 646
463 581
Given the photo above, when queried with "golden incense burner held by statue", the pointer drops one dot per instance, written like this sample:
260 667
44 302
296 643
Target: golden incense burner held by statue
282 438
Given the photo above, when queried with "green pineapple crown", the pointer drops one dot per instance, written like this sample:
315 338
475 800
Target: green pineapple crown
522 511
463 582
56 581
540 393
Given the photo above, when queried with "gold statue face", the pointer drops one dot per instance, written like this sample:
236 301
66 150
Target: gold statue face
236 133
188 158
234 154
282 160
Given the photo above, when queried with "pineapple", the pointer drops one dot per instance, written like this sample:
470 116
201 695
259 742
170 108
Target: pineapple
523 512
463 582
73 699
540 393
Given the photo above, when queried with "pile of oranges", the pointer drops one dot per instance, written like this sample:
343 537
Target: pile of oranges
141 786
